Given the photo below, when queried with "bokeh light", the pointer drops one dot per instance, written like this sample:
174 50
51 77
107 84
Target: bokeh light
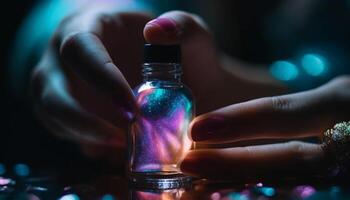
21 170
313 64
107 197
5 181
215 196
70 197
304 191
2 169
284 70
267 191
237 196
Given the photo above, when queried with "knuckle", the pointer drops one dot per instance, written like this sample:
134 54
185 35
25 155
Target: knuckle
280 103
71 43
62 26
342 81
340 90
297 149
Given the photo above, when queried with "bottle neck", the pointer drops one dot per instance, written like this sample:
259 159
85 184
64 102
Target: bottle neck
170 72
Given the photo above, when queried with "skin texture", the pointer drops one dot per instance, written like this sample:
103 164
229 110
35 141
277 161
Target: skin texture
82 89
288 117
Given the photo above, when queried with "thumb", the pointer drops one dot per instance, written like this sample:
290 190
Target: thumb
175 27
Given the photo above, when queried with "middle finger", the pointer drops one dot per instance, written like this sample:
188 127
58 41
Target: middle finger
290 158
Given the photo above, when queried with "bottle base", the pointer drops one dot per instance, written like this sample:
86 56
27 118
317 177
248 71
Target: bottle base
160 180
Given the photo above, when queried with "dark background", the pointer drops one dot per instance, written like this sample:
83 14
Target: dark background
12 14
22 138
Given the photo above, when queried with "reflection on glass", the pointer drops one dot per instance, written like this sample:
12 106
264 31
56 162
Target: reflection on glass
174 194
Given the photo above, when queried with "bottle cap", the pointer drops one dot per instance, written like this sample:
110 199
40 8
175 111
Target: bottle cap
162 53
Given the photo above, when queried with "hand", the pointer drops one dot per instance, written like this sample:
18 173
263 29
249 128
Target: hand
82 85
288 117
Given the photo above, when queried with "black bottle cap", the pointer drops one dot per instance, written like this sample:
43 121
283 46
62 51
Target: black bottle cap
162 53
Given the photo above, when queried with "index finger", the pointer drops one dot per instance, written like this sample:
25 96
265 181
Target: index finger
271 160
303 114
81 49
85 54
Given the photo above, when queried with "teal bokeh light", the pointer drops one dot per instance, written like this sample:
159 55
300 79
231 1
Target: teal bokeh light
284 70
268 191
313 64
2 169
108 197
237 196
21 170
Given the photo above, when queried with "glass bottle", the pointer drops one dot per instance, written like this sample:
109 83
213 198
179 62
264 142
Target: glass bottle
159 137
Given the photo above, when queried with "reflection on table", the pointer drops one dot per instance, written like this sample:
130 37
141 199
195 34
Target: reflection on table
23 185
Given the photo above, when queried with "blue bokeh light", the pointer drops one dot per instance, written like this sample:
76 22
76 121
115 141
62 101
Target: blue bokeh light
21 170
107 197
284 70
313 64
70 197
2 169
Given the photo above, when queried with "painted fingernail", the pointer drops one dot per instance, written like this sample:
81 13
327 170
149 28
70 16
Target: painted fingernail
166 24
206 128
188 166
129 115
126 110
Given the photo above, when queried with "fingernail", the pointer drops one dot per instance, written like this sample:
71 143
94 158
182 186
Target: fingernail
128 113
166 24
188 166
126 110
206 128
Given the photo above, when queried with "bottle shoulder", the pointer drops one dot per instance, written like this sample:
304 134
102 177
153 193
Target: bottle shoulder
160 85
163 85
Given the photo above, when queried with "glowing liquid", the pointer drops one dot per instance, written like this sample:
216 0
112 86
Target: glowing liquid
159 137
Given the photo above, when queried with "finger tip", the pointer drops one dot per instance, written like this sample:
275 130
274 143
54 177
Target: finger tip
198 129
151 33
207 127
188 164
194 133
160 31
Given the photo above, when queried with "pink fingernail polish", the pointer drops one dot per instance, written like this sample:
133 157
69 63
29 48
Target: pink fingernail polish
166 24
204 129
188 165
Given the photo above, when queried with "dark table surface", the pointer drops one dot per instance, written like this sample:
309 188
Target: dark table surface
81 185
